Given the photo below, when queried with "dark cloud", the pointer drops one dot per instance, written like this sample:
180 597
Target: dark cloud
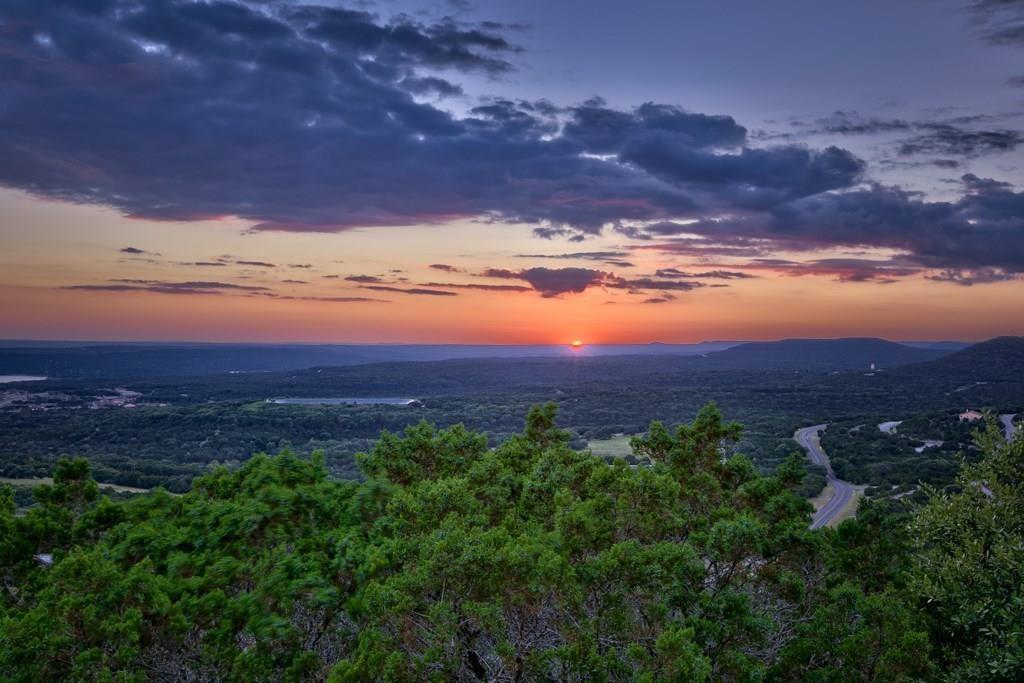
601 130
123 288
843 269
412 290
504 273
552 282
967 278
364 278
646 283
298 116
704 247
256 264
555 281
982 229
326 299
706 275
847 269
294 282
135 251
985 228
430 85
853 123
330 277
999 22
662 299
161 287
300 265
945 139
444 267
753 178
584 255
957 136
206 264
304 117
481 287
551 232
612 258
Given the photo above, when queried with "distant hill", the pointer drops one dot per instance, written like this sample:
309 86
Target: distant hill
943 345
130 361
515 363
752 363
822 355
996 360
989 374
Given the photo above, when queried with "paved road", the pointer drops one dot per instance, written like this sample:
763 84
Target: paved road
842 491
1008 426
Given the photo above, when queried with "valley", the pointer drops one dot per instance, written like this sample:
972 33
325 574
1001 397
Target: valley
890 427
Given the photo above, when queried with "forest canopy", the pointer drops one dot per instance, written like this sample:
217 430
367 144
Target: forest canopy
453 560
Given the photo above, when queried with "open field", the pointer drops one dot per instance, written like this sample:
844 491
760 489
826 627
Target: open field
616 446
38 481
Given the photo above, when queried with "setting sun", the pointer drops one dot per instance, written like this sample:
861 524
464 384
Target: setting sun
576 344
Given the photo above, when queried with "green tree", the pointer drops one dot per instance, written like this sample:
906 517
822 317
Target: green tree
527 561
969 564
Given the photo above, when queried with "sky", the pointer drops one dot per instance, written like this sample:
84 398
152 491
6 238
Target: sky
511 172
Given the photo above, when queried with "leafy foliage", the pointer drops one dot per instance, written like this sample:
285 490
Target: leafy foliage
455 560
969 562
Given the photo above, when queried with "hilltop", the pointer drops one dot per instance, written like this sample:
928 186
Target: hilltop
995 360
852 353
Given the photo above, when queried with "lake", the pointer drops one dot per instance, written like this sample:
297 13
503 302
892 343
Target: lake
341 401
7 379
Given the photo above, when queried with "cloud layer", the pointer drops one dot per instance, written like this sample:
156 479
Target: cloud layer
304 117
552 282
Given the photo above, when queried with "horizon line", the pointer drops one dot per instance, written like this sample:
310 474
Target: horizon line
16 340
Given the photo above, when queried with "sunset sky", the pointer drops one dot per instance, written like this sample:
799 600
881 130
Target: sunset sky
511 172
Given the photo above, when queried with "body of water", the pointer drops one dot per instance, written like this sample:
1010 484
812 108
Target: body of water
342 401
7 379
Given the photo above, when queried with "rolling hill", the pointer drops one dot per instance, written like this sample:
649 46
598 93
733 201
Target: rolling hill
821 354
126 361
996 360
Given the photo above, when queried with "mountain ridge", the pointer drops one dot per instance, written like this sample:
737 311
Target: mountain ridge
843 353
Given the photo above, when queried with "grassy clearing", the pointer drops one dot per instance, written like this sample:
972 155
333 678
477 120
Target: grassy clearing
37 481
616 446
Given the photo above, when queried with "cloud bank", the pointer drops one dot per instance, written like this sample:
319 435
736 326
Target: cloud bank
296 116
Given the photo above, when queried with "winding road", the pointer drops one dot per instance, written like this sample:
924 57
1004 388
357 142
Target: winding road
842 491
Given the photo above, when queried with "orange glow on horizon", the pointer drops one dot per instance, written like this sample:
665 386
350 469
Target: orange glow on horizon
331 293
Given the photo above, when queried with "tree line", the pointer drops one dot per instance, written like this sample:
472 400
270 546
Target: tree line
455 560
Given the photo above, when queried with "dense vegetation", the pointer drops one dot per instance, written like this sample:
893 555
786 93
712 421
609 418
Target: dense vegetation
905 456
183 426
168 445
451 560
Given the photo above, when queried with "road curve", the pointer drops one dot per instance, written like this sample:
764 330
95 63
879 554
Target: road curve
1008 427
842 491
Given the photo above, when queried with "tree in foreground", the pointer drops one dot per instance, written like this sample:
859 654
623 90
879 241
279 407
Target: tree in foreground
969 566
454 561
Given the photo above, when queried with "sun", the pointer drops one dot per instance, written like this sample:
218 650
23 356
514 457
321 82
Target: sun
576 344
